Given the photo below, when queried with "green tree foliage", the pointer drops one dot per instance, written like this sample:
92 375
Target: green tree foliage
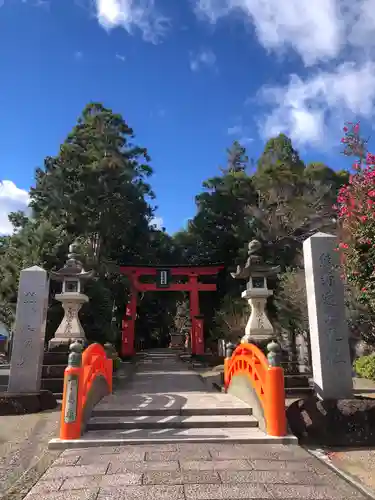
282 202
96 186
155 317
219 228
230 319
238 161
294 201
37 243
95 189
365 366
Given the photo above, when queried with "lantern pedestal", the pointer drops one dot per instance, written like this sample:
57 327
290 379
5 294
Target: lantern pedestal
258 328
70 328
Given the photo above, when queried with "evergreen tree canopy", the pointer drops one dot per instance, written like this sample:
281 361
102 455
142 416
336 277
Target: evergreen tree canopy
97 189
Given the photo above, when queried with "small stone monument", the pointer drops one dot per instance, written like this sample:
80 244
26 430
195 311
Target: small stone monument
29 332
177 340
329 337
72 276
258 328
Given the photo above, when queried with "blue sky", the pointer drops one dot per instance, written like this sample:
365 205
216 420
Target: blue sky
189 76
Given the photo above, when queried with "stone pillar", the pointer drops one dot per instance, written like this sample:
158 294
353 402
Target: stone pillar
29 332
303 353
221 347
329 336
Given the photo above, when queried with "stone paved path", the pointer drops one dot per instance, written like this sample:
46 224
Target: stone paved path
181 470
190 472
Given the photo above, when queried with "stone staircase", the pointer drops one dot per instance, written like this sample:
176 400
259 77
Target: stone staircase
4 377
54 364
193 425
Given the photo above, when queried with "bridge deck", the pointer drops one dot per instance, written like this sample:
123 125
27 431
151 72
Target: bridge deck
163 382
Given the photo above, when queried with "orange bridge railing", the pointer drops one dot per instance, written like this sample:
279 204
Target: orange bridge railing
80 377
267 381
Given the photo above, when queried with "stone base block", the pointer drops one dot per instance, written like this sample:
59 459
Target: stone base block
20 404
333 422
62 345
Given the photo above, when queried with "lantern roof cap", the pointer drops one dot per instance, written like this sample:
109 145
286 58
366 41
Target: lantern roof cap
73 267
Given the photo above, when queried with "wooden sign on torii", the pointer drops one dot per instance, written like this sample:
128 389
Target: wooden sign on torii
164 282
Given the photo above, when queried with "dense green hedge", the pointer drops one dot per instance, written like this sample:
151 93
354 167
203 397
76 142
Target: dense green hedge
365 366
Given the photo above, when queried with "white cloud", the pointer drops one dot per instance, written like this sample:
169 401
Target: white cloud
12 199
43 3
205 57
309 109
317 30
328 35
241 134
157 223
235 130
120 57
245 140
130 14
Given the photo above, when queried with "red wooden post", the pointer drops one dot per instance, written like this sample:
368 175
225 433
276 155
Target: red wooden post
192 336
199 337
128 326
194 310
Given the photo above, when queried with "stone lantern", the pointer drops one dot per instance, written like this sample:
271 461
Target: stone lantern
72 276
258 329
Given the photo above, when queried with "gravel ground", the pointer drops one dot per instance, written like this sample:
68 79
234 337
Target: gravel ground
359 464
24 456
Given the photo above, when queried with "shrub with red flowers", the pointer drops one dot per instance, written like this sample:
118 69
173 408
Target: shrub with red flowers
356 212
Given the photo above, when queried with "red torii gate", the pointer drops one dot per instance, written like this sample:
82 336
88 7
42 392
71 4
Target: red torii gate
163 282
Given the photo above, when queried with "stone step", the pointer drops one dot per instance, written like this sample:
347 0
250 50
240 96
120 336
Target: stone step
55 358
53 384
167 436
296 379
53 371
175 422
296 391
186 412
